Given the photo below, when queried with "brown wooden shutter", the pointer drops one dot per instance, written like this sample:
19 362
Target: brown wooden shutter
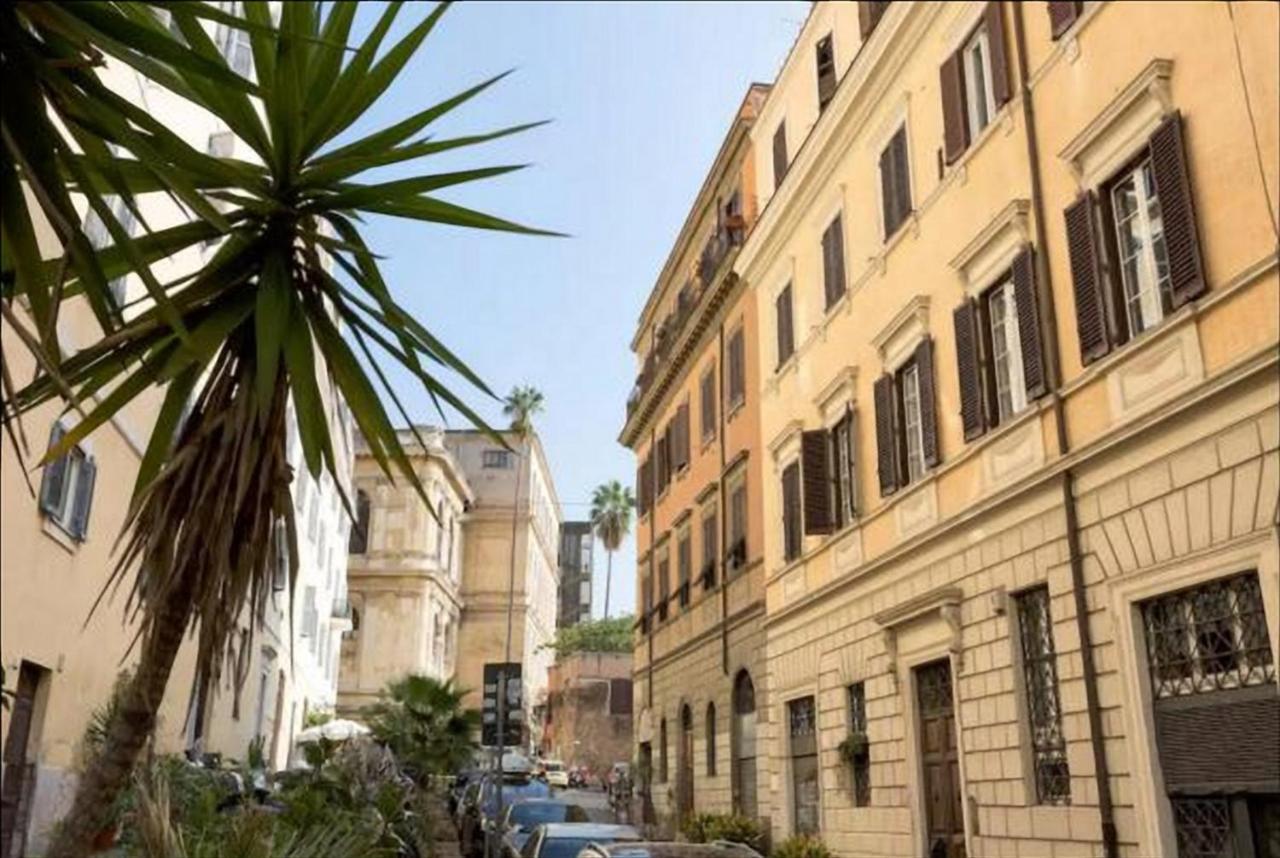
955 123
887 199
1086 279
684 434
779 153
968 365
1000 84
640 507
1173 187
814 446
901 174
826 63
1062 16
928 402
886 438
869 14
1024 296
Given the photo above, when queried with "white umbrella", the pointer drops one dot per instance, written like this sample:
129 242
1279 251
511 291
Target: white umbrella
337 730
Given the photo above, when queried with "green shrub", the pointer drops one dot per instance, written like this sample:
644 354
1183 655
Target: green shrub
801 846
707 827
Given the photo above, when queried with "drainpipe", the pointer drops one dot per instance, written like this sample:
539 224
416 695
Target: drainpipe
1049 331
724 517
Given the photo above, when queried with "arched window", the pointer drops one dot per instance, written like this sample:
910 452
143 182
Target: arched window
743 741
711 740
358 542
684 776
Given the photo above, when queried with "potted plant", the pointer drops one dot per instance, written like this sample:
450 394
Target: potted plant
853 748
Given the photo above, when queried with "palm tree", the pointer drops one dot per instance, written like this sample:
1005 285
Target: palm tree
521 404
422 721
611 507
236 342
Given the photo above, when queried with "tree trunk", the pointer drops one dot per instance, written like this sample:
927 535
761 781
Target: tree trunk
108 774
608 579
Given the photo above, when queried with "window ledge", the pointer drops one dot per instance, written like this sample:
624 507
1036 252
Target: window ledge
734 408
1003 119
59 534
708 441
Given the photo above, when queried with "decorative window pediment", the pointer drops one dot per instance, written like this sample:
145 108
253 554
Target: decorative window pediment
1122 127
897 341
991 252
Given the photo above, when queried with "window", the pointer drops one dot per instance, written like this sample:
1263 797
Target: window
66 489
977 81
1140 248
662 751
792 539
826 62
803 732
497 459
711 740
833 261
221 144
1006 351
664 593
779 154
742 739
843 500
708 393
737 368
313 515
234 44
1208 638
861 746
1134 247
906 423
786 326
710 542
737 549
98 234
895 183
869 14
1062 14
310 616
684 565
1044 709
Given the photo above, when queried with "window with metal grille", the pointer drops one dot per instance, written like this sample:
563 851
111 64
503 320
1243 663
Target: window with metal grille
1208 638
802 728
1203 828
858 734
1044 708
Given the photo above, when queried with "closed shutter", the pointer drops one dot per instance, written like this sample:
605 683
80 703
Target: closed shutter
1024 295
928 402
833 261
1086 279
955 123
968 365
786 331
886 440
887 199
1173 187
83 501
902 173
1000 85
779 153
826 62
55 476
814 446
1062 16
869 14
640 496
682 424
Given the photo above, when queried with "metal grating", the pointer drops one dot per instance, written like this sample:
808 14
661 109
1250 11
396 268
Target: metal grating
1208 638
1203 827
858 726
1044 708
934 688
801 717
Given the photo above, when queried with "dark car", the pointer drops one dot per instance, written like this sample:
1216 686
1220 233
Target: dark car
667 849
459 787
521 818
516 786
567 839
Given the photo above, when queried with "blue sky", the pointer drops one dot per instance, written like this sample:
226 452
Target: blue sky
640 96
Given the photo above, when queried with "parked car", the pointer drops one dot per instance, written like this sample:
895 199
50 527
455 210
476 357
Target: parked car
567 839
556 774
667 849
516 785
467 816
459 786
521 818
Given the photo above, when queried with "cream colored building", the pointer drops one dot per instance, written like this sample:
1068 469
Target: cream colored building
693 422
487 533
1020 429
404 571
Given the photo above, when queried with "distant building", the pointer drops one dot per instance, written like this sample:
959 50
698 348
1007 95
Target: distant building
576 545
588 717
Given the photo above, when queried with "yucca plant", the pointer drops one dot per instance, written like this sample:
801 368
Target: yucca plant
292 296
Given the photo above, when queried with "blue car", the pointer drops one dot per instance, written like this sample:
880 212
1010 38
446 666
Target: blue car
521 818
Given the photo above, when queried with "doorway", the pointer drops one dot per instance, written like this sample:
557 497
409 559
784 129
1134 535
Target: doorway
684 774
940 761
19 765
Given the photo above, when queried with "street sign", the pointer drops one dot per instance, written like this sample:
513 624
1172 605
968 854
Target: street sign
493 674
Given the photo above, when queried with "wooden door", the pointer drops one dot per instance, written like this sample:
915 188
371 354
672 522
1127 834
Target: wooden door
944 820
684 775
14 804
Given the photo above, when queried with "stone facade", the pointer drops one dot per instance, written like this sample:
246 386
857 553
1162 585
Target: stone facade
965 660
588 718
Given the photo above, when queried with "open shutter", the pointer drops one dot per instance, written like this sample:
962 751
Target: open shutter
55 475
1024 295
972 414
640 507
901 174
869 14
1173 187
955 124
1000 85
928 402
1062 16
886 441
779 153
83 500
814 446
888 201
682 417
1086 279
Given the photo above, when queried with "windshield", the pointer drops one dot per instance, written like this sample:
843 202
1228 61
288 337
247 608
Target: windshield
513 792
565 847
536 813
